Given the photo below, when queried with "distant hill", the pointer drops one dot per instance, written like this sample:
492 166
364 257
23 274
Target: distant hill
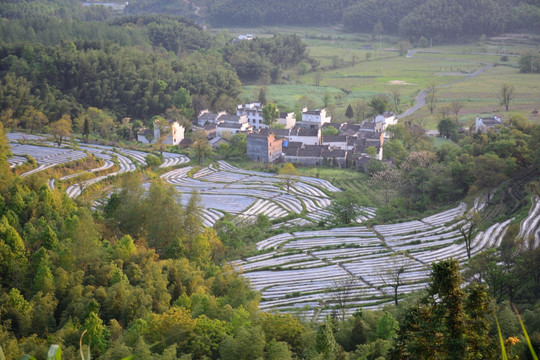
444 20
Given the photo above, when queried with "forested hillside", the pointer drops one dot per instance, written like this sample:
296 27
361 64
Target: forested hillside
131 67
260 12
442 20
61 58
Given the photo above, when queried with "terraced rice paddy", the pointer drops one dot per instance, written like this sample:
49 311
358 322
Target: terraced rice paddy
246 194
48 155
223 187
314 273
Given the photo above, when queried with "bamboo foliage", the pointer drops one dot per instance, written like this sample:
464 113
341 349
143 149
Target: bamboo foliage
533 353
501 341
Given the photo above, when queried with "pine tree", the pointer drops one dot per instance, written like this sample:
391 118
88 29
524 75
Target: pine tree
349 113
447 323
262 96
86 129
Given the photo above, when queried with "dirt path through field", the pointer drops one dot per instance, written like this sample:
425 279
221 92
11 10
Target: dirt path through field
421 97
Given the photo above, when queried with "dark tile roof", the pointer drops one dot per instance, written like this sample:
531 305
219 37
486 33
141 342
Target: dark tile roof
229 118
369 125
353 127
369 135
185 143
359 141
373 142
306 132
334 138
257 136
334 153
145 132
294 144
310 152
208 116
312 112
276 132
291 151
315 147
363 160
226 125
491 122
349 132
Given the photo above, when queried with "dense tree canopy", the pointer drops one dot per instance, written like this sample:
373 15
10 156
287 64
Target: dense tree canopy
258 12
437 19
265 57
441 20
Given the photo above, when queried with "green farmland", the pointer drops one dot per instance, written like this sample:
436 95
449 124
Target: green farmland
349 73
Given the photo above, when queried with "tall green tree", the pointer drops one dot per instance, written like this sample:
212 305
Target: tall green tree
12 253
432 97
182 100
325 343
506 95
346 208
489 172
447 128
164 220
200 148
447 322
61 129
5 171
379 104
270 113
262 96
289 174
33 119
349 113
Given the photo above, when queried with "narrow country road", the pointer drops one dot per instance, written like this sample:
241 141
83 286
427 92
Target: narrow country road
421 97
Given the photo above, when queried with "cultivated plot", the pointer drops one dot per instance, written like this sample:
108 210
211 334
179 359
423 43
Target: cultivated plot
246 194
47 155
315 273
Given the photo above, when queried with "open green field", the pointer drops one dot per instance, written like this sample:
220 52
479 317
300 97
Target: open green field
346 179
348 77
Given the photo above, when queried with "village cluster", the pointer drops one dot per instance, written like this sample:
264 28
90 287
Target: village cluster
296 141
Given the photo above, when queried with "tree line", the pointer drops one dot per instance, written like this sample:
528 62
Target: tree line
424 176
259 13
264 58
438 19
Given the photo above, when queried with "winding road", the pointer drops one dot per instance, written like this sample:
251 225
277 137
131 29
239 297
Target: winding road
421 97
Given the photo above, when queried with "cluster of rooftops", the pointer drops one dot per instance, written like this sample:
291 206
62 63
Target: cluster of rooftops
298 141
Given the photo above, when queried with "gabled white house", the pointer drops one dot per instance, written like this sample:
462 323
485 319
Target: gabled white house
253 111
175 134
313 119
484 124
337 141
387 119
287 119
207 117
233 119
305 136
226 129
